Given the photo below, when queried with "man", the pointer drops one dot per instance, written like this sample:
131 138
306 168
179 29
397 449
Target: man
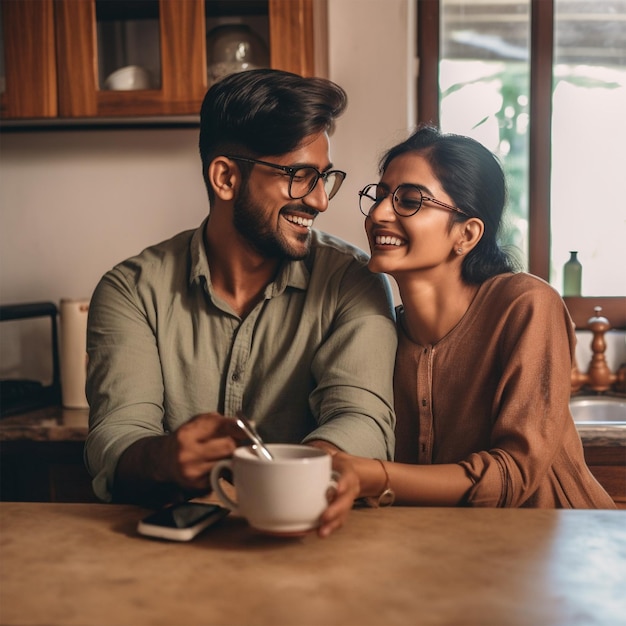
254 311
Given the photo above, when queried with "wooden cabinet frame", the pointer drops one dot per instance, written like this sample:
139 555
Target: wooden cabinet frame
30 67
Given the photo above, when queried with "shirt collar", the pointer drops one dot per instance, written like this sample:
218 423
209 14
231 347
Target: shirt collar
291 274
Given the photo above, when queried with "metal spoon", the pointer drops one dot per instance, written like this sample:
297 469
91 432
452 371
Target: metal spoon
248 427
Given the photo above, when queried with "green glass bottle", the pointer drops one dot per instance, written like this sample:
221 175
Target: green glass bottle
572 275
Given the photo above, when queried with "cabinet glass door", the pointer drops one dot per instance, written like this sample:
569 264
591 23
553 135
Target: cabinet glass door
237 38
163 42
129 47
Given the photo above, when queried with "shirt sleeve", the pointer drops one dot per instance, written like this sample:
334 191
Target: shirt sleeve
353 369
536 345
120 343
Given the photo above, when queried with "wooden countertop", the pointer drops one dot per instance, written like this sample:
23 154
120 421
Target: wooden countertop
58 424
51 423
84 564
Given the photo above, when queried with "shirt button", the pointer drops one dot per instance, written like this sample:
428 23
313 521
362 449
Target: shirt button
235 376
424 402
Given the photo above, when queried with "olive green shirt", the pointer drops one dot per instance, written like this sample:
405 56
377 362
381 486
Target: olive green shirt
313 360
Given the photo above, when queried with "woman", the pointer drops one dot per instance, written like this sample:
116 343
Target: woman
482 376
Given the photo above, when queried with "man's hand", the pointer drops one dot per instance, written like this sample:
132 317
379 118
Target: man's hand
159 470
198 444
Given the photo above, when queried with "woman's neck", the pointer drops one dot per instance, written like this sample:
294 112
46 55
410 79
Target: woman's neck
433 309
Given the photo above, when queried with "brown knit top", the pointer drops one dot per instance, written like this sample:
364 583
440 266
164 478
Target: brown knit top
493 396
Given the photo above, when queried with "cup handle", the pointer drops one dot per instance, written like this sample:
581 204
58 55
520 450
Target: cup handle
216 473
332 485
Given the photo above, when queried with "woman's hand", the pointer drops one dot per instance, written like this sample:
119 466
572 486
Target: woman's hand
348 488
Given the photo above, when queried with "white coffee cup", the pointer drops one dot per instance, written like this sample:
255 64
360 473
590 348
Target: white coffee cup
284 496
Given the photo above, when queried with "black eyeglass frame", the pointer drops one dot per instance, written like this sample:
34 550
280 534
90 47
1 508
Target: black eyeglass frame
291 171
364 193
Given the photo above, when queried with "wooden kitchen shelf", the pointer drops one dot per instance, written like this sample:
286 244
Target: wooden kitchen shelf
55 61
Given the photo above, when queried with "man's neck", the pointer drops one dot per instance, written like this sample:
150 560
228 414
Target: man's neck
239 274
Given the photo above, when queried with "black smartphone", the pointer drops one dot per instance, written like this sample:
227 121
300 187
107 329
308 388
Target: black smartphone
181 522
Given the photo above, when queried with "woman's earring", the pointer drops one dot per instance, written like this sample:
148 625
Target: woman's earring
459 250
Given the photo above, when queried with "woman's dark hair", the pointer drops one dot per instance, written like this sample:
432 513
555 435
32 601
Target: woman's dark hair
265 112
473 178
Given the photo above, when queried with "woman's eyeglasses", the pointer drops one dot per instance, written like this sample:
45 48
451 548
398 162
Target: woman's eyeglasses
406 200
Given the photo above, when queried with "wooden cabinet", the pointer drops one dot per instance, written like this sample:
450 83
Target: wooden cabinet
608 465
55 60
44 471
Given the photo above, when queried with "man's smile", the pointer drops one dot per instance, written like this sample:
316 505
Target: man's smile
306 222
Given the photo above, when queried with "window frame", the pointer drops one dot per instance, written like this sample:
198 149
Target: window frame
540 146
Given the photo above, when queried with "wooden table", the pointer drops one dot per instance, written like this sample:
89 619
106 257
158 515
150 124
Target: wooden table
84 564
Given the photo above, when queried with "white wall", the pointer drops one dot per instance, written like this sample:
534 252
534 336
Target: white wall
74 203
372 56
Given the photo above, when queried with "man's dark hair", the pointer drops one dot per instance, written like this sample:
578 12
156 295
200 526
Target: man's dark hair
265 112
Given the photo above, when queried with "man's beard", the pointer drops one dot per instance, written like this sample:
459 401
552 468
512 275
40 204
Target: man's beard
251 223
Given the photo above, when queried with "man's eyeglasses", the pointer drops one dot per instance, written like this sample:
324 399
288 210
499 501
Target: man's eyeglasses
302 180
406 200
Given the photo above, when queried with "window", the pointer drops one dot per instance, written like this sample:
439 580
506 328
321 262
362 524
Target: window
542 83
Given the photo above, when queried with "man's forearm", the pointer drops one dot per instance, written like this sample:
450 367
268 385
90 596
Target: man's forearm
144 473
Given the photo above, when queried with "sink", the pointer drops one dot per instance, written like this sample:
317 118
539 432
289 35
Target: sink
598 410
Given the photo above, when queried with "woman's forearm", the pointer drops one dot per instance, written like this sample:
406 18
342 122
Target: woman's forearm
425 485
